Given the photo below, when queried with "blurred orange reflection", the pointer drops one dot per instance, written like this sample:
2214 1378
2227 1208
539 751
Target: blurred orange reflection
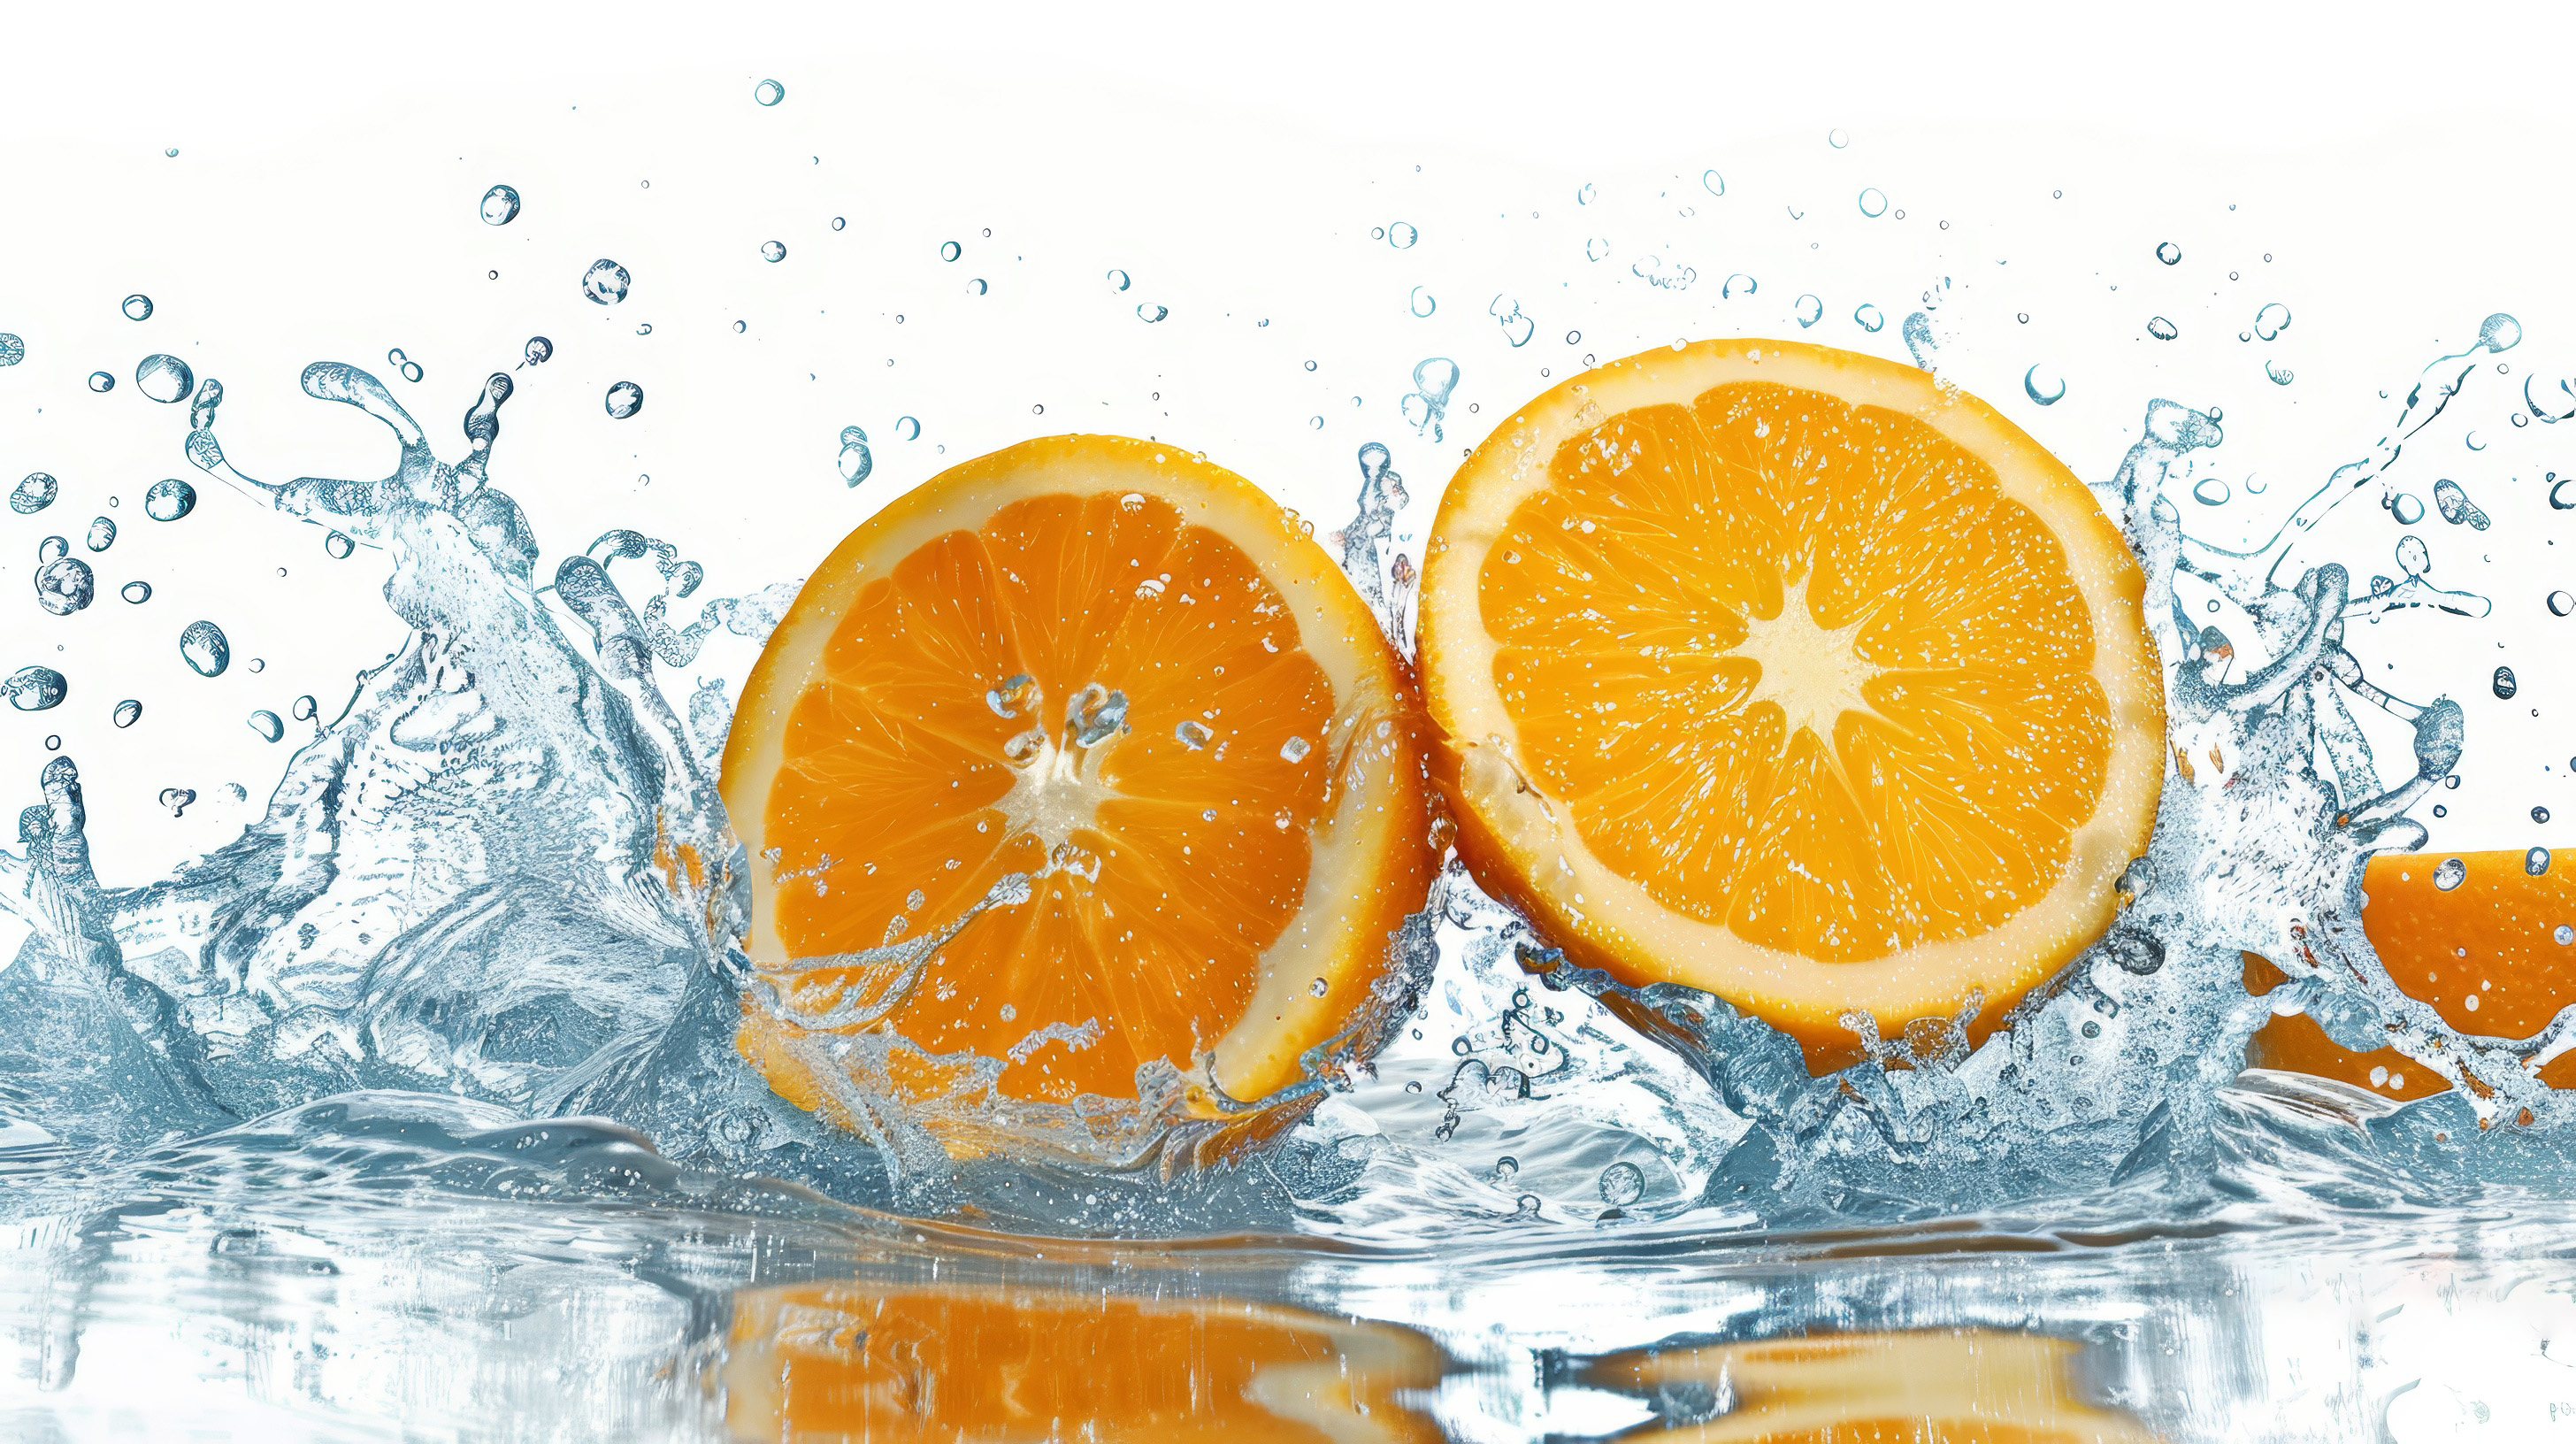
852 1361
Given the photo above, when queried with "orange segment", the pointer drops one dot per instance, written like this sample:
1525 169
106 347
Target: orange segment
1789 674
2487 954
1125 676
814 1362
1948 1386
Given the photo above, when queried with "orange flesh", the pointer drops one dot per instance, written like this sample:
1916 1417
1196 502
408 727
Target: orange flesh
1661 609
843 1361
2493 939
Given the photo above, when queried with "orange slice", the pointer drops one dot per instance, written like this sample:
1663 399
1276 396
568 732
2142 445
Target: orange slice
1126 678
814 1362
1946 1386
2494 955
1791 675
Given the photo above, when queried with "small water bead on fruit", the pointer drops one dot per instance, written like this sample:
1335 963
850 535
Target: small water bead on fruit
267 725
102 534
305 708
128 712
500 205
854 461
101 382
624 399
1193 734
773 251
1873 202
2161 329
1622 1184
164 378
337 546
2457 509
2210 491
2043 385
35 689
205 649
137 592
2169 253
33 493
1294 750
768 92
2450 873
2412 556
2504 684
606 282
2272 320
137 307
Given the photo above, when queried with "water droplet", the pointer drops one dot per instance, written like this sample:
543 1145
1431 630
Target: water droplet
854 461
34 493
411 371
2560 604
773 251
2161 329
950 250
177 799
2045 387
305 707
2210 492
1193 735
137 307
976 287
907 429
2562 494
840 223
33 689
1810 309
2406 508
102 382
741 326
1149 313
1118 280
1596 249
539 351
1873 202
1583 194
1294 750
2272 320
1622 1184
1837 138
205 649
65 585
13 349
644 330
2504 683
1715 183
2281 375
2539 814
2564 935
500 205
2457 509
1869 317
2536 862
606 282
2412 557
1421 302
164 378
1736 285
337 546
1517 328
1095 714
267 726
2450 874
136 592
1402 235
2499 333
624 400
128 712
52 549
769 92
1318 988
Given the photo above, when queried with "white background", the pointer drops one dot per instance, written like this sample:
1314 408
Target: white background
2390 175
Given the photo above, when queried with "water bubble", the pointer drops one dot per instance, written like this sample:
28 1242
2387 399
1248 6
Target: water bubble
1195 736
839 223
102 382
1837 138
606 282
2560 604
2406 508
1622 1184
2045 387
2562 494
2450 874
136 593
2169 253
33 689
13 349
1873 202
137 307
305 708
1421 302
539 351
1715 183
127 713
2564 935
2412 556
976 287
1583 194
1869 317
2161 329
741 326
644 330
1517 328
1597 249
33 493
267 726
177 799
337 546
1809 309
1402 235
52 549
102 534
906 428
2504 684
2272 320
624 400
950 250
2456 507
1736 285
769 92
2499 332
500 205
65 585
773 251
203 646
2539 814
854 461
1118 280
1149 313
164 378
2210 492
2281 375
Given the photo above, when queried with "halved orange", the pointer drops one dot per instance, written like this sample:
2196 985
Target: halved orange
2495 954
814 1362
1795 676
1930 1386
1081 757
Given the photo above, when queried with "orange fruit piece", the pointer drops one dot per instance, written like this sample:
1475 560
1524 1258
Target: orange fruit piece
2486 954
1791 675
1126 677
848 1361
1935 1386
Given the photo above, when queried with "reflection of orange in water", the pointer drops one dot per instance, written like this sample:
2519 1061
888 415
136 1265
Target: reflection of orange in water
2485 954
1940 1386
835 1361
